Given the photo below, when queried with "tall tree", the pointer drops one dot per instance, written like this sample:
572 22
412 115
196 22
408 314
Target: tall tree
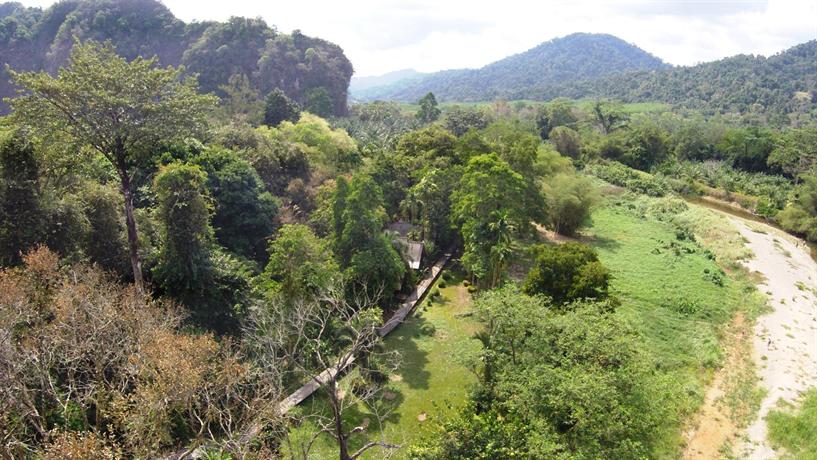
608 116
279 108
429 112
489 192
122 109
331 335
21 216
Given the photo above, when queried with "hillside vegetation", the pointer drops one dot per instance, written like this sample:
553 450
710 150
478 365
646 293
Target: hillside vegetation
303 67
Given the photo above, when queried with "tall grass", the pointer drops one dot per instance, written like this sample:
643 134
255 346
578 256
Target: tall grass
796 430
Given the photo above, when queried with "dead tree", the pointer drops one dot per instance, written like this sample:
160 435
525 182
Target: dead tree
320 340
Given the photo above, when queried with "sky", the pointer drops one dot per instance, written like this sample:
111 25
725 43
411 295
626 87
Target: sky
380 36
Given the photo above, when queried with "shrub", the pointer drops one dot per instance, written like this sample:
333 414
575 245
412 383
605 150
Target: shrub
570 200
566 273
428 329
631 179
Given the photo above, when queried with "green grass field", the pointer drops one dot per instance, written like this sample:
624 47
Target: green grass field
676 295
432 381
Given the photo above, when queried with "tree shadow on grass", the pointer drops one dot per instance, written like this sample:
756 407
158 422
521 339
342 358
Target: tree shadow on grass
413 359
605 243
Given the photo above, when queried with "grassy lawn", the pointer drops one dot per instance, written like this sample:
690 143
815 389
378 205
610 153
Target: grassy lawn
433 378
675 294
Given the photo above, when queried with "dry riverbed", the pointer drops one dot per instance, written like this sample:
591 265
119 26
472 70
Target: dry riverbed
785 339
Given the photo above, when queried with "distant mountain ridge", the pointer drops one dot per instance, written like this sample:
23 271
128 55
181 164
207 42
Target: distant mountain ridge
576 57
302 66
784 83
359 84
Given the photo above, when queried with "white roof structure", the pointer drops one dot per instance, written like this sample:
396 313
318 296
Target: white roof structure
412 250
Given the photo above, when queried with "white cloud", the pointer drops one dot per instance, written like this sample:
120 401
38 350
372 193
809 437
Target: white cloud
428 35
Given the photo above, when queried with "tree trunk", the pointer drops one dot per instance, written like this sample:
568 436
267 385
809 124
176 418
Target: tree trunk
133 240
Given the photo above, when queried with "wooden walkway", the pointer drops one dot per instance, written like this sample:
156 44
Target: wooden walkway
399 316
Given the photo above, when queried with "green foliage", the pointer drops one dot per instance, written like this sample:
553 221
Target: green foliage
277 160
747 148
241 101
770 193
800 216
302 66
795 152
488 205
105 242
566 141
364 251
631 179
123 110
184 212
461 119
22 219
300 263
429 112
157 105
608 115
376 126
566 386
278 107
555 114
567 273
244 214
757 86
427 143
796 429
331 149
191 268
570 199
319 102
226 49
646 146
220 53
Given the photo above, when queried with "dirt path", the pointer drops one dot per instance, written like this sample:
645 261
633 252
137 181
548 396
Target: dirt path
785 339
714 425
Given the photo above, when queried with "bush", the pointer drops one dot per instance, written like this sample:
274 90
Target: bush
631 179
428 329
800 216
570 200
567 272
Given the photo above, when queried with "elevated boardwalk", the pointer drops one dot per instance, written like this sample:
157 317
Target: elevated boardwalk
396 319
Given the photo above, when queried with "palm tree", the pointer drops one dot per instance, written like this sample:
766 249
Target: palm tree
502 229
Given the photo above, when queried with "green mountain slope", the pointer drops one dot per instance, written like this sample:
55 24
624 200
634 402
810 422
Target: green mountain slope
572 58
36 39
783 83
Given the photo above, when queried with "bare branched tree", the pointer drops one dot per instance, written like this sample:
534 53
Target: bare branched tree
319 340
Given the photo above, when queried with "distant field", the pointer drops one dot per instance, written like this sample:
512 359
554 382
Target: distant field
583 104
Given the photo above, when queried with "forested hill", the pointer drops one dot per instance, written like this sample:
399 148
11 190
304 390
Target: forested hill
304 67
574 57
782 83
